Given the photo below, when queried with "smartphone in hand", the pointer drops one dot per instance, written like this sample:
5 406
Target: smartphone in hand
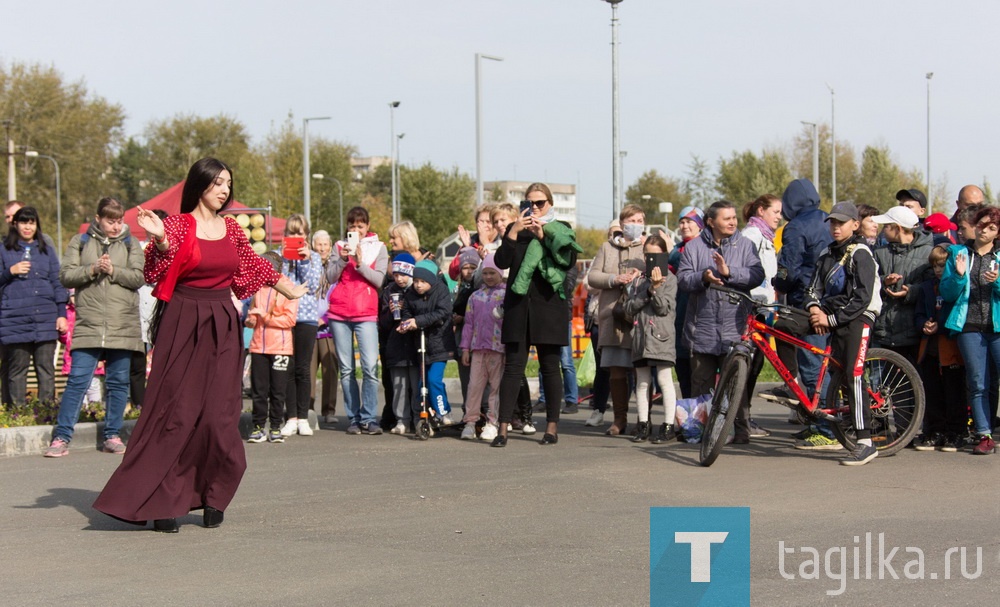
352 242
290 247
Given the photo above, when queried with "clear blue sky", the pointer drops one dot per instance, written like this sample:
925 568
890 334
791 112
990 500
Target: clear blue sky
702 78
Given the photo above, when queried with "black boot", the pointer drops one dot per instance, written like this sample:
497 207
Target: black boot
165 525
212 518
641 432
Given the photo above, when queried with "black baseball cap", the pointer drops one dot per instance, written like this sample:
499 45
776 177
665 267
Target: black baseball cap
912 194
843 211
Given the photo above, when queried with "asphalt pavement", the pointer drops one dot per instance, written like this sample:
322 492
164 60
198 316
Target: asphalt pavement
334 519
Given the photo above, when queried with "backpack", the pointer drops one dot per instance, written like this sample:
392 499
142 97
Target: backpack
86 236
836 280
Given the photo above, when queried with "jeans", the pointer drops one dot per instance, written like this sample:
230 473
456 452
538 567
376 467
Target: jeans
809 365
116 377
570 387
977 349
360 408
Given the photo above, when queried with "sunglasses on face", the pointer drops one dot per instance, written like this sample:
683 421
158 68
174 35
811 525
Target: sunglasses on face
537 203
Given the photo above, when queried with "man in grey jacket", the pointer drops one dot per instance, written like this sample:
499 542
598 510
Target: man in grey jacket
719 256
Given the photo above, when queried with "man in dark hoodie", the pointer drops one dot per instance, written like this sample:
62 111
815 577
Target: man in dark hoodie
803 240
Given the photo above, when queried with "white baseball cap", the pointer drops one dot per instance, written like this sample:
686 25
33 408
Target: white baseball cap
900 216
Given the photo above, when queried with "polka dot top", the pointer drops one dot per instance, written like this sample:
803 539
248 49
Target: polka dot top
253 271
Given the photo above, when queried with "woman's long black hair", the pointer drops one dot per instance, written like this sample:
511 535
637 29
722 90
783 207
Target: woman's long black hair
201 175
13 238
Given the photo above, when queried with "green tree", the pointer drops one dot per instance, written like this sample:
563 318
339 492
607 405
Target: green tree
745 176
129 169
847 165
435 201
174 144
880 178
590 239
658 189
63 120
699 183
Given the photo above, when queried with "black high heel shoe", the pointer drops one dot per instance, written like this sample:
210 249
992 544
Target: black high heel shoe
549 439
212 517
165 525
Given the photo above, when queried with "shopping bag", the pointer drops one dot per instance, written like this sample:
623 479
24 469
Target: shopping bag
690 417
588 368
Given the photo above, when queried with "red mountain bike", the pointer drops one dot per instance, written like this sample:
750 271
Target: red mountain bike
895 392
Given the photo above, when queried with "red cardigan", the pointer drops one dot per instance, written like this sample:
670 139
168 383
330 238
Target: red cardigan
166 268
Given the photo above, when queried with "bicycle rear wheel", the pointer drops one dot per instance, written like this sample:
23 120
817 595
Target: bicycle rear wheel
898 419
730 392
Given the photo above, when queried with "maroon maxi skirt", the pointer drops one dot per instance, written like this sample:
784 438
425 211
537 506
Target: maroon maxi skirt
185 452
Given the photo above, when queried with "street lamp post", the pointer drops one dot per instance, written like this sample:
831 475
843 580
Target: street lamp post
615 119
399 182
479 128
392 155
815 128
305 165
930 195
340 187
833 141
59 240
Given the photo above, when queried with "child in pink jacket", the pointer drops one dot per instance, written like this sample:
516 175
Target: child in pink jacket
482 349
272 317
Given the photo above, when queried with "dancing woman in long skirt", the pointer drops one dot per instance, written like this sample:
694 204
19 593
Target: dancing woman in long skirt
186 452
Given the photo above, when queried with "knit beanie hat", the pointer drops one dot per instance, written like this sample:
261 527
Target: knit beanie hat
468 255
426 271
403 263
490 263
694 214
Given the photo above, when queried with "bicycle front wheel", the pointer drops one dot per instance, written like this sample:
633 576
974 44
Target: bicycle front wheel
730 392
898 412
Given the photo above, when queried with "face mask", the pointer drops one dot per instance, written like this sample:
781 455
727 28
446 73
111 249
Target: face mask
633 231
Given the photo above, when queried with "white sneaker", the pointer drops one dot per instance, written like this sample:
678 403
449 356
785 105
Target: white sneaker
596 419
399 428
304 429
469 432
489 432
448 420
529 428
290 427
331 419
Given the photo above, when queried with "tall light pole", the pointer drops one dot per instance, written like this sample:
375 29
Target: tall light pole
621 171
930 195
392 155
59 240
479 128
399 183
305 166
833 141
11 174
815 152
340 187
616 176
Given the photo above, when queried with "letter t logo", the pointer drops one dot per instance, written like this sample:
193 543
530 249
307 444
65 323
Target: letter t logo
701 551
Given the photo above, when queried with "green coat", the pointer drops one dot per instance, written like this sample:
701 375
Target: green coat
560 243
107 306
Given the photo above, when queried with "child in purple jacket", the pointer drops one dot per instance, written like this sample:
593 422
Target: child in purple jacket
482 349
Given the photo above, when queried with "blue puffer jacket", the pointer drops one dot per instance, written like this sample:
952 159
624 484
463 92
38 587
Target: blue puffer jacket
803 240
712 323
955 289
31 303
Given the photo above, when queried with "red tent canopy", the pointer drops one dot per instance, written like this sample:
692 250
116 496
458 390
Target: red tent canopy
170 201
